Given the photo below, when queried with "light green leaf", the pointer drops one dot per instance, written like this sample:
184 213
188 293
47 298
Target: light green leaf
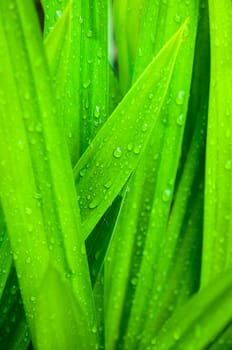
217 243
115 152
42 214
127 16
197 323
146 208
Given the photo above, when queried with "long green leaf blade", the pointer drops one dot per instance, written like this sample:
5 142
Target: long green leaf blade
115 152
188 328
42 214
217 243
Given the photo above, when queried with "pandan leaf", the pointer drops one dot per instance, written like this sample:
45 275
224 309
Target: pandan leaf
147 204
37 187
115 152
196 324
127 16
217 243
14 331
82 80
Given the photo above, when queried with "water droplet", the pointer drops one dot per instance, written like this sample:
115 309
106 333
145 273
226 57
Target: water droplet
108 184
89 34
86 84
39 127
151 95
137 149
97 112
28 260
180 97
144 127
177 18
33 299
176 335
130 147
94 203
81 19
166 195
38 195
134 281
82 172
94 329
20 144
180 120
28 211
228 165
117 152
13 290
58 13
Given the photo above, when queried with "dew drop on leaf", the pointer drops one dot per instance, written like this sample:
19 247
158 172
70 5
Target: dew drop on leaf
28 211
145 127
13 290
228 165
137 149
58 13
180 120
94 203
166 195
86 84
97 112
180 97
108 184
82 172
117 152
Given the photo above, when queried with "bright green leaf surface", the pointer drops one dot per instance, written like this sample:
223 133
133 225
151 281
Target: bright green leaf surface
114 153
151 185
217 244
36 169
188 328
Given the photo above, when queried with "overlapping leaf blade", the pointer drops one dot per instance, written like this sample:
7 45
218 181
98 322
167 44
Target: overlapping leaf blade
42 215
149 187
114 153
217 244
189 327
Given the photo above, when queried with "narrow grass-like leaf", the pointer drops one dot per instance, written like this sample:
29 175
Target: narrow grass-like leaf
127 17
6 260
217 244
151 185
188 328
98 242
85 87
174 280
114 153
42 214
14 331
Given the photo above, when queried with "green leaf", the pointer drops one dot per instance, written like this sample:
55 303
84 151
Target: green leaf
197 323
127 16
146 209
115 152
6 261
82 74
36 186
14 332
217 244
